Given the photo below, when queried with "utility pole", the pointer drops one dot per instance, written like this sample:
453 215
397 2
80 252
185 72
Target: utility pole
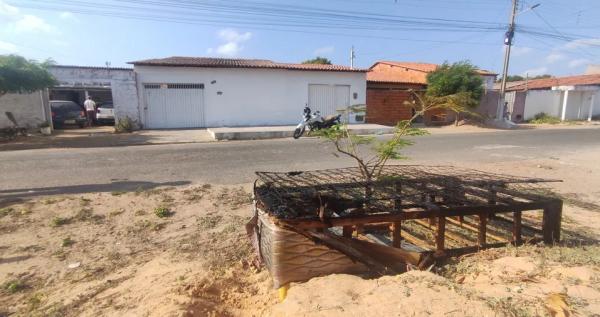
352 56
507 45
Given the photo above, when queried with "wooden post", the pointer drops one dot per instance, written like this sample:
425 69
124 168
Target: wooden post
481 234
492 201
397 234
397 193
347 231
516 231
440 234
551 222
397 226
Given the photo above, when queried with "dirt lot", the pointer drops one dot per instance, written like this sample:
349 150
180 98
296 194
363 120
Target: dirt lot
182 252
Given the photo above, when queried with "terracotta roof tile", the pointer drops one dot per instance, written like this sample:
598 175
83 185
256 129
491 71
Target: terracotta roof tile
545 83
405 72
180 61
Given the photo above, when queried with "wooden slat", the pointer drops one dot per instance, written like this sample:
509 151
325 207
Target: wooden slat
397 234
468 226
448 234
516 230
440 234
481 233
408 215
347 231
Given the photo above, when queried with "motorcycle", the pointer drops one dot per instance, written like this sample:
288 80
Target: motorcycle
315 122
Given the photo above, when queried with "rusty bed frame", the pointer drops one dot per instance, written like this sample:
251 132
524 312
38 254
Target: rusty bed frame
405 197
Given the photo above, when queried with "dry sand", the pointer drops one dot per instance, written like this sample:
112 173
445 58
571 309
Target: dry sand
109 254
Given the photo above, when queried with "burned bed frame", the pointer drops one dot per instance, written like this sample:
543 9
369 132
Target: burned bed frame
316 203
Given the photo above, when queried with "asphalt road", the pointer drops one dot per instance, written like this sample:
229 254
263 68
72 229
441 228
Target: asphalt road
55 171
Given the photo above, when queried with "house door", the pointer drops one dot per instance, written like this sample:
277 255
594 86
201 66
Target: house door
328 99
174 105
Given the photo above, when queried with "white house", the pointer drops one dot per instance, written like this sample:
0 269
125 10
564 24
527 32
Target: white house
569 98
183 92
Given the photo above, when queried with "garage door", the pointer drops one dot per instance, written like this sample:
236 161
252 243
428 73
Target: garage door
328 98
174 105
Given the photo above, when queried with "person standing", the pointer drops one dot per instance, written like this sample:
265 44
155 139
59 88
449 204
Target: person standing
90 108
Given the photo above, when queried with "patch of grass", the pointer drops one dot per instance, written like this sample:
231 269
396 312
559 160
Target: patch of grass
234 198
13 286
116 212
144 225
196 193
67 242
50 201
59 221
118 193
209 222
124 125
544 118
149 192
25 211
509 306
163 212
87 214
84 202
166 198
6 211
34 301
60 254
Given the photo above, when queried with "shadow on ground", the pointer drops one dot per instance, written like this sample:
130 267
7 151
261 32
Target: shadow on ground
104 136
10 196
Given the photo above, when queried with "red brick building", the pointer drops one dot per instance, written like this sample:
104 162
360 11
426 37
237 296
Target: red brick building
388 90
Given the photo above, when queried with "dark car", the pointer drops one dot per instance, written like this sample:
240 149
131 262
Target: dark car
67 113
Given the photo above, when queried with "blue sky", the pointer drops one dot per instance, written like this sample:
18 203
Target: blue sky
83 32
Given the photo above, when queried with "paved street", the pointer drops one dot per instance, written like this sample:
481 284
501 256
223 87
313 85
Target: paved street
54 171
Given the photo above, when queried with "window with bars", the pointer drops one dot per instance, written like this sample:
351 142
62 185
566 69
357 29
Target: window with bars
174 86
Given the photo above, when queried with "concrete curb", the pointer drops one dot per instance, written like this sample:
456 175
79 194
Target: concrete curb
261 133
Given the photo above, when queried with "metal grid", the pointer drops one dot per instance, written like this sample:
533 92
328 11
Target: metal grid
344 192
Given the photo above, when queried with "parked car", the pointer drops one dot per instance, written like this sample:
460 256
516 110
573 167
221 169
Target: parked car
105 113
66 112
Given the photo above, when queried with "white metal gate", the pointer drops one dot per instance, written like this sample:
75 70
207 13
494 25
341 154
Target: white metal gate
328 98
174 105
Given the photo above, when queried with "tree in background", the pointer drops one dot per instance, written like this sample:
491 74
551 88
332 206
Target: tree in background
318 60
510 78
460 83
19 75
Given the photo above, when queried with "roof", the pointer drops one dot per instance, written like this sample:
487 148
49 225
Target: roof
407 72
181 61
91 67
547 83
509 84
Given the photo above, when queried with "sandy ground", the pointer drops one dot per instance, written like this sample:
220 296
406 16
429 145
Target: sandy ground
183 252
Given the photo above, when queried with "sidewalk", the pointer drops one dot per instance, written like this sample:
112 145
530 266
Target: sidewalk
104 136
277 132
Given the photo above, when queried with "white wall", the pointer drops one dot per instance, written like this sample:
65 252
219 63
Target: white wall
121 81
251 96
547 101
29 109
596 110
488 82
584 107
577 107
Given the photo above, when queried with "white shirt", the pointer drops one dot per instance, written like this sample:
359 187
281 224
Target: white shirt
89 105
